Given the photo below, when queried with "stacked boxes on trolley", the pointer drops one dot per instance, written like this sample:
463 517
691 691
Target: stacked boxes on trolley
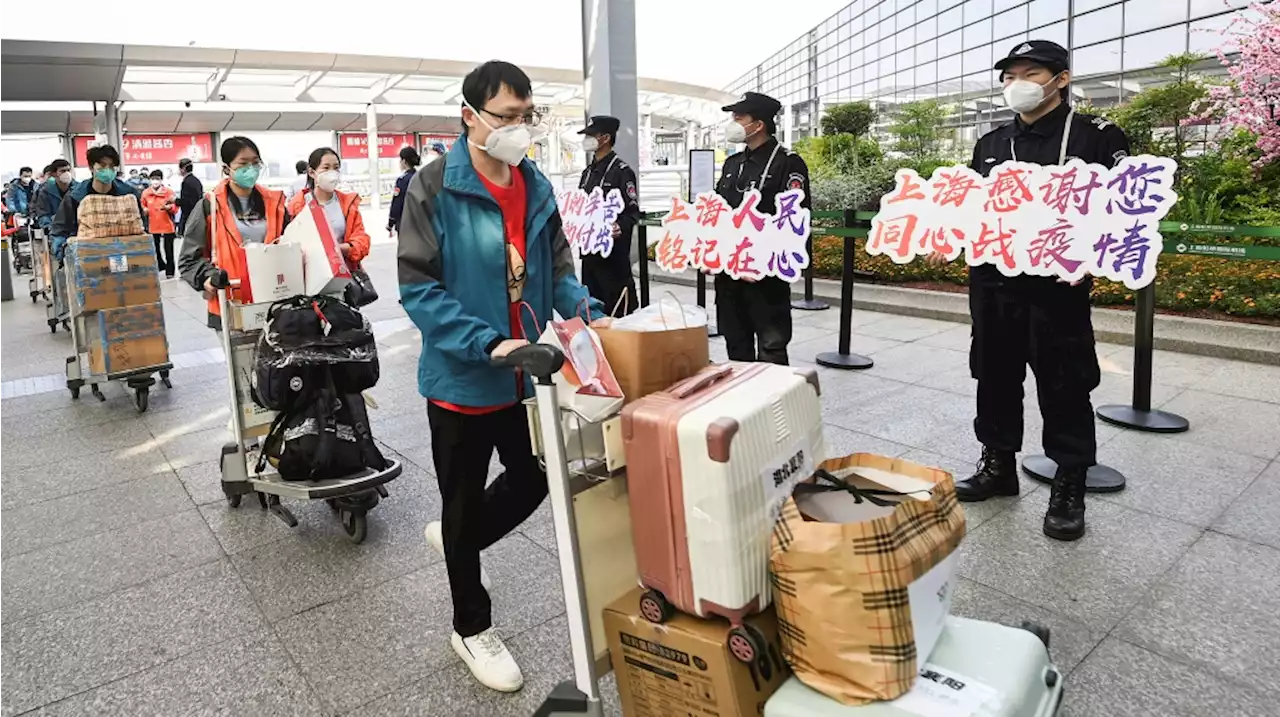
115 285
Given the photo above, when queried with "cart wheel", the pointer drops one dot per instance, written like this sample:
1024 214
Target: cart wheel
333 504
66 325
164 378
1040 631
75 392
141 399
34 294
53 327
356 525
234 500
655 607
746 643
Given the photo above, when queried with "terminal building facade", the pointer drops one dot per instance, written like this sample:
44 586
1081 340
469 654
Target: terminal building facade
890 52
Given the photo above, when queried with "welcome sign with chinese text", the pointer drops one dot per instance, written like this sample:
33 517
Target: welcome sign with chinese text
1059 220
589 218
744 243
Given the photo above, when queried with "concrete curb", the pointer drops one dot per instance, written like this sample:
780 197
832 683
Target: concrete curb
1204 337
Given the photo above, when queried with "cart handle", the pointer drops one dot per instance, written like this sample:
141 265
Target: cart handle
220 279
539 360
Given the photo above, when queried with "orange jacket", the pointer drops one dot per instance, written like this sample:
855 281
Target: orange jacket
160 219
225 242
356 236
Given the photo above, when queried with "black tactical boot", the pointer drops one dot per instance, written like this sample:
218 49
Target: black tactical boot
997 475
1065 517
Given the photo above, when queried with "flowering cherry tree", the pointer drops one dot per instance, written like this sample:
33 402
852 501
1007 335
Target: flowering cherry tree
1252 99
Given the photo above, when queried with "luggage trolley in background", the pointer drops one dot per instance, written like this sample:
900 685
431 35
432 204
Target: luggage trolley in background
139 380
352 496
41 268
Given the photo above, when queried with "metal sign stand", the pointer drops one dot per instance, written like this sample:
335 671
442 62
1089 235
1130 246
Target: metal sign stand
1140 416
702 174
808 303
842 358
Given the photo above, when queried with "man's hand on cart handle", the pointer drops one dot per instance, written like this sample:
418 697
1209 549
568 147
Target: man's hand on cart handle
219 279
506 347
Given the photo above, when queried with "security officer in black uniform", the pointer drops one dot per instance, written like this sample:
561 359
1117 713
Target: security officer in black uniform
1038 320
608 278
747 311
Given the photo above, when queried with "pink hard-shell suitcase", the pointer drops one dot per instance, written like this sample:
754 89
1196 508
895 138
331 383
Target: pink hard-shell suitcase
707 461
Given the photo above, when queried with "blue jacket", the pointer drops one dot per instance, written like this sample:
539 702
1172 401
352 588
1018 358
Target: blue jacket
18 197
66 221
47 201
452 264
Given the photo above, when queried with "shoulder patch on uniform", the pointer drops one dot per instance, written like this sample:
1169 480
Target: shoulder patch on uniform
631 190
396 192
1119 155
1101 123
795 180
622 165
990 160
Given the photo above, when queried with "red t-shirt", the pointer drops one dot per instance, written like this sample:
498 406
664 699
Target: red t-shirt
513 202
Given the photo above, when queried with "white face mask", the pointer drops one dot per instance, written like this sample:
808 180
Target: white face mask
328 180
736 133
156 183
507 144
64 177
590 144
1024 95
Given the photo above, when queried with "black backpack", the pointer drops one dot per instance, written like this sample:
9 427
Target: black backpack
309 340
324 437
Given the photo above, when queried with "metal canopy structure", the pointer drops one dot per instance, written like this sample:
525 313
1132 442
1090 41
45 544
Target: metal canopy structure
59 87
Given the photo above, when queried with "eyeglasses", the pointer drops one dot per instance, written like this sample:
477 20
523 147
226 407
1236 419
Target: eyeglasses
533 118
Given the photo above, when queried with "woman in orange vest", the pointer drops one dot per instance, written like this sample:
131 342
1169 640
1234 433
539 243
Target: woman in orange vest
341 209
159 204
236 212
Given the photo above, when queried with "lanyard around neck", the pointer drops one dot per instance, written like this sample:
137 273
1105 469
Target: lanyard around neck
763 176
1062 151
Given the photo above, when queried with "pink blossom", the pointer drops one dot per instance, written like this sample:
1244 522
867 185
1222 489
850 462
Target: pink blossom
1251 100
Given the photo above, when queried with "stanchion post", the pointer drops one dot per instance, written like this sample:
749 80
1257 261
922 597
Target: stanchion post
808 303
6 281
643 237
842 358
1140 415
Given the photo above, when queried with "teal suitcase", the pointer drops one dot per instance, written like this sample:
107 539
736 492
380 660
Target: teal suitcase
977 669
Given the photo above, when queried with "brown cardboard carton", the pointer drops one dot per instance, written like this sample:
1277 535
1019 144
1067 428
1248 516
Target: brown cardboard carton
684 668
127 339
111 272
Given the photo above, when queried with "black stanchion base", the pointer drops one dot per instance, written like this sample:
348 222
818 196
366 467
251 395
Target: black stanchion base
810 305
1151 421
835 359
1101 479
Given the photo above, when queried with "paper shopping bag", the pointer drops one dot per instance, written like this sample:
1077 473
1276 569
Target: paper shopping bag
324 269
652 350
274 272
586 383
863 563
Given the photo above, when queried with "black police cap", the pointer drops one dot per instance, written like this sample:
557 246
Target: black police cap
1042 52
602 124
756 105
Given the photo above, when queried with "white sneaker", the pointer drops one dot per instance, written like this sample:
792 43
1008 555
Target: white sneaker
489 660
435 538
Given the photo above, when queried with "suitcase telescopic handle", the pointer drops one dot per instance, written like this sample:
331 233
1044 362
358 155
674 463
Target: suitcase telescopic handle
538 360
700 383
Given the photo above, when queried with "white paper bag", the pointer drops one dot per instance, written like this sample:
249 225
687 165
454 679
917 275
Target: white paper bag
274 272
323 268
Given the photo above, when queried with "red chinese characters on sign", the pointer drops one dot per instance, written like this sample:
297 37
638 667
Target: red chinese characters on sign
744 242
355 145
893 236
144 149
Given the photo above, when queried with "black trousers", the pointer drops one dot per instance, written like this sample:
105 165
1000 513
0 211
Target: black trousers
608 281
476 516
750 313
1044 323
165 260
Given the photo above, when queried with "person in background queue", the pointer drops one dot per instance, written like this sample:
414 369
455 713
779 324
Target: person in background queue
18 197
409 161
103 162
608 278
341 209
61 177
751 312
1034 319
188 194
40 183
299 182
242 212
481 237
160 204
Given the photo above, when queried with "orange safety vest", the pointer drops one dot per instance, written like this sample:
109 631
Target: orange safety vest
225 244
356 235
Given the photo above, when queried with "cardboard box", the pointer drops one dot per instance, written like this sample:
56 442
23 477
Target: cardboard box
684 667
274 272
127 339
113 272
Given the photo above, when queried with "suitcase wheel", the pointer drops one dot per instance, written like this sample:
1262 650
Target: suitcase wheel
1038 630
655 607
746 643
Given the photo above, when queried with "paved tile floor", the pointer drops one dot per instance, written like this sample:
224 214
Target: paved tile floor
129 587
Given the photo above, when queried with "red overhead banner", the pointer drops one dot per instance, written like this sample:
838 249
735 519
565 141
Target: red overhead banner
143 149
355 145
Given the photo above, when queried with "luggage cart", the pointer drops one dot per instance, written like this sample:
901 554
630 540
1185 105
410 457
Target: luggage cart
58 310
581 696
21 241
41 269
138 380
351 497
